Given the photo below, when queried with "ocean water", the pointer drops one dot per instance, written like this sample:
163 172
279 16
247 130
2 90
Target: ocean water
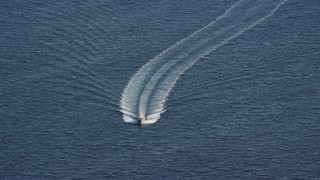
250 109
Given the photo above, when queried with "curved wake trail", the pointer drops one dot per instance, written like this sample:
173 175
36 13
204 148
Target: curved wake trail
144 97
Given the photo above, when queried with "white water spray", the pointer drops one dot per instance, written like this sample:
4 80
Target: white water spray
143 99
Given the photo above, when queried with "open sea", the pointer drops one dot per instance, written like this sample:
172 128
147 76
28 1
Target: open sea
247 106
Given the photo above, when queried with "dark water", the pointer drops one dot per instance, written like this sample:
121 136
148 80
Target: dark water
250 109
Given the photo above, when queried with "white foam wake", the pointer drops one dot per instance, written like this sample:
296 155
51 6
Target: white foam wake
144 97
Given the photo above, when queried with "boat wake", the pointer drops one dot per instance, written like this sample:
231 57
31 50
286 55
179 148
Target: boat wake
144 98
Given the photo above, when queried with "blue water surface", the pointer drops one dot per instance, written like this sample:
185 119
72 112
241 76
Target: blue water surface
248 110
